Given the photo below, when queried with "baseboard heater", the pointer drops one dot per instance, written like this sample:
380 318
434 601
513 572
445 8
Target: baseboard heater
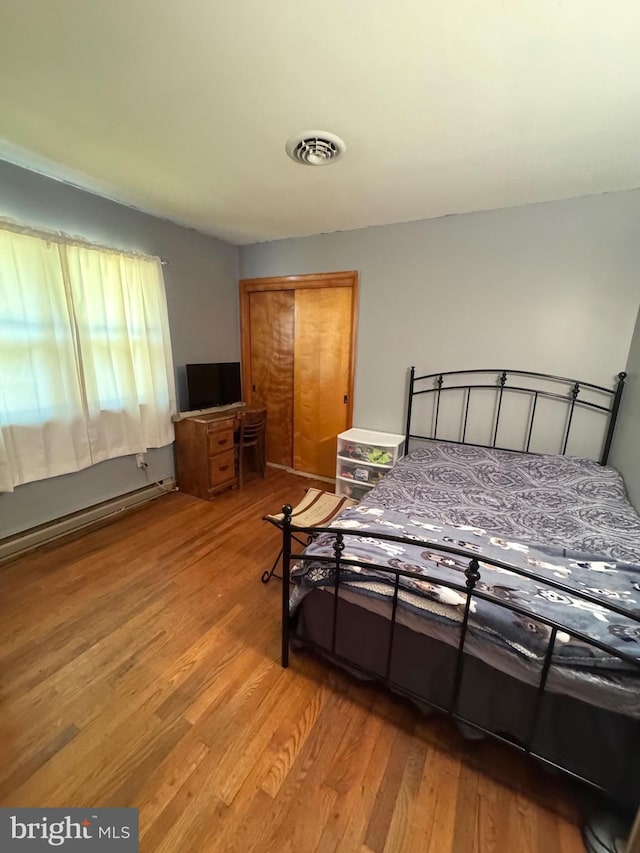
32 538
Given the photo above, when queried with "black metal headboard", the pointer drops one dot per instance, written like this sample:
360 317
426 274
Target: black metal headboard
438 384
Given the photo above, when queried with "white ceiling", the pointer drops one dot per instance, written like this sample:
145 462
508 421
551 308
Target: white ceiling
183 107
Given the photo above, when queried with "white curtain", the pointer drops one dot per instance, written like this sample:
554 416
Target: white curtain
86 372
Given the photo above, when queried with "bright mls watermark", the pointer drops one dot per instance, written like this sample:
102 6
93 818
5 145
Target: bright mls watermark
80 830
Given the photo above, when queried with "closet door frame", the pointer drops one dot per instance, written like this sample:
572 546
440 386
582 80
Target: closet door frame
348 278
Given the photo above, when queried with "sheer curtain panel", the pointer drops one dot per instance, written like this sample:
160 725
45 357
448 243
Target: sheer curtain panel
86 372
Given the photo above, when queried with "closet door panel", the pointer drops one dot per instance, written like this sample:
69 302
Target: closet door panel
321 376
272 334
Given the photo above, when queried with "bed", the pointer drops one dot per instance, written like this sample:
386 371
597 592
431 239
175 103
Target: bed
498 585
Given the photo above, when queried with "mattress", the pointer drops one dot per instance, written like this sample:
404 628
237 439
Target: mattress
541 513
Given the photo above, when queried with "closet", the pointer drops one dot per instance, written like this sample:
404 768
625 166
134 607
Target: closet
298 360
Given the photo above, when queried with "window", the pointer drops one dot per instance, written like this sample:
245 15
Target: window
85 358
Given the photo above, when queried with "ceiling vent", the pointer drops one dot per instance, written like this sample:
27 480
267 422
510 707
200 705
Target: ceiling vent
315 148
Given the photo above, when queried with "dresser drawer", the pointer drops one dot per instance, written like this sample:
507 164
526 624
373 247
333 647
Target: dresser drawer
221 467
219 441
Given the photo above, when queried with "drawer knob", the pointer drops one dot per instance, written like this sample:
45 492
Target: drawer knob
222 441
223 468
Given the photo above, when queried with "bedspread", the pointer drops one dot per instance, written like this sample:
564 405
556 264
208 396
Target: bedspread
563 518
539 499
608 580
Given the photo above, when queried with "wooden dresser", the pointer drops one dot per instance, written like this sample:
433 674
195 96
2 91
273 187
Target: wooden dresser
205 456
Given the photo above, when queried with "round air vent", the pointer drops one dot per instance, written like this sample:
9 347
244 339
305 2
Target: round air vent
315 148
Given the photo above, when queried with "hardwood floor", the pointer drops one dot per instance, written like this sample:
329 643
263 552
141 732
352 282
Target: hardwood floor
140 667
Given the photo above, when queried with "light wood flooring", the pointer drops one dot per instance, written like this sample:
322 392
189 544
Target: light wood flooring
140 667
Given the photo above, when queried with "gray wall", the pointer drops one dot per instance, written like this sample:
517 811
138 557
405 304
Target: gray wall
201 283
625 454
549 287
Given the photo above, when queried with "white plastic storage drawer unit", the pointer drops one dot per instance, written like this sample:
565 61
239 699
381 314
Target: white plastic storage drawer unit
364 457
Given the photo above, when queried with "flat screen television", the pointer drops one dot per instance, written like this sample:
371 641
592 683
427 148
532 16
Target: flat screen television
213 384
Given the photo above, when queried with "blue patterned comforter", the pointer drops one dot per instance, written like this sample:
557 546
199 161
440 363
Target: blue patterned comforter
562 518
550 500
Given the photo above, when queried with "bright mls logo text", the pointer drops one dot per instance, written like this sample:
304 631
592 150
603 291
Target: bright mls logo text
57 832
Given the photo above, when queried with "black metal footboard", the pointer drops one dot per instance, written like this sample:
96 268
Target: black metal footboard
451 705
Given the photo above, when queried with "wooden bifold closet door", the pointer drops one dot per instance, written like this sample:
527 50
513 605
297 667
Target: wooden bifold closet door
298 344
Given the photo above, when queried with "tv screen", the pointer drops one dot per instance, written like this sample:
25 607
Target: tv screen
213 384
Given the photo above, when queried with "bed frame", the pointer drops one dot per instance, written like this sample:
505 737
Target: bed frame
567 393
450 706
